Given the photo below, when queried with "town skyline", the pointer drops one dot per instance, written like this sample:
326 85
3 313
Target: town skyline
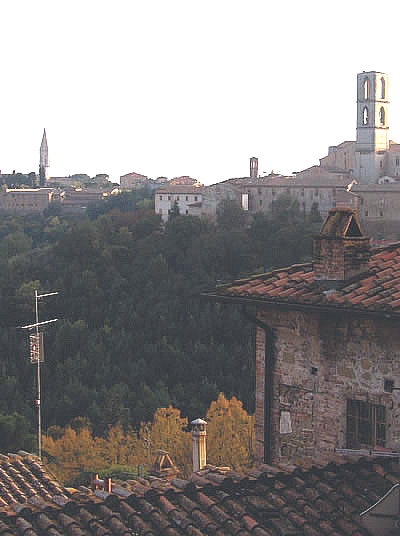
181 90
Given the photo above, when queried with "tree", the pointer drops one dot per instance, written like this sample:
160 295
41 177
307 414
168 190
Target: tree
72 454
230 214
15 433
175 210
169 432
230 434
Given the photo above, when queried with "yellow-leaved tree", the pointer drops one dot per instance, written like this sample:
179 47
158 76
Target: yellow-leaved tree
168 432
120 447
73 453
230 434
230 442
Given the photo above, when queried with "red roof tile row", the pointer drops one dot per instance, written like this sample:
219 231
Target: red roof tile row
378 290
320 501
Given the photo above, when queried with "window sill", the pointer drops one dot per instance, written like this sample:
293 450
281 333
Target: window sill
379 451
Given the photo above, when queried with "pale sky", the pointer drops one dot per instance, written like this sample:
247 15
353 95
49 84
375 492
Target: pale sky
182 87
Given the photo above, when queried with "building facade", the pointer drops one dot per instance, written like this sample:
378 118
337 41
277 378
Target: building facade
25 200
188 199
327 349
132 181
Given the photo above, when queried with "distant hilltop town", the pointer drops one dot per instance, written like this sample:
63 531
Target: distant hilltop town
364 174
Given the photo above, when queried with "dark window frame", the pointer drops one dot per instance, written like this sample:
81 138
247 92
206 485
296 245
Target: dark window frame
365 425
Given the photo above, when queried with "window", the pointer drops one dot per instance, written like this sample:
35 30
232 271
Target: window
302 192
365 116
383 92
160 197
365 89
260 202
366 425
381 213
177 197
382 115
366 213
187 198
186 212
381 164
397 161
316 193
195 197
169 198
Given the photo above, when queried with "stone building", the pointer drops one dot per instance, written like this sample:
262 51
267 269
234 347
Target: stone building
132 181
188 199
25 200
327 349
76 201
371 163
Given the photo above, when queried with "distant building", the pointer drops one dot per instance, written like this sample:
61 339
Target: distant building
25 200
188 199
77 201
44 161
184 180
133 180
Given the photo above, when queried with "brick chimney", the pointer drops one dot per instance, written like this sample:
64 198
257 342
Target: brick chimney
199 435
340 251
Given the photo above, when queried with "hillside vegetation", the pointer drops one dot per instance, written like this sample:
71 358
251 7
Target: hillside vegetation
134 333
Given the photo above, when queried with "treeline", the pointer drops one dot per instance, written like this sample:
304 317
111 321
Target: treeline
134 332
74 452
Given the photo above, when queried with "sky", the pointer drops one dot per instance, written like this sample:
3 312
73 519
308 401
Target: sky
184 87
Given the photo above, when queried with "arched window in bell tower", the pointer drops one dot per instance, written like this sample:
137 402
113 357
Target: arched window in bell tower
382 115
365 88
365 116
383 89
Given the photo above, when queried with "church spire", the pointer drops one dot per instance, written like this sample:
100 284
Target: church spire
44 160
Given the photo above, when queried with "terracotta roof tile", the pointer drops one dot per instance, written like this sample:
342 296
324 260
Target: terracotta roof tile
378 290
325 500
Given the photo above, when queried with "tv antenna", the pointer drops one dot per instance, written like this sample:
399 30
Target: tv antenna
37 356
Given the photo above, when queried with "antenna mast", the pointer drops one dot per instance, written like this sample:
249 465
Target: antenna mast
37 355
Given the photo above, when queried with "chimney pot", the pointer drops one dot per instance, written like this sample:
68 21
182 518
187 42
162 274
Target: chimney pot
199 435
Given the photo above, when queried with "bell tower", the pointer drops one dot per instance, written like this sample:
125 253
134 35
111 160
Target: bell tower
44 161
372 126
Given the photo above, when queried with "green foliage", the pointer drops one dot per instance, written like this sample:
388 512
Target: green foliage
15 433
134 333
174 210
230 214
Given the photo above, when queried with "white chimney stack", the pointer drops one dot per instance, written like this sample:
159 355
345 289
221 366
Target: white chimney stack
199 435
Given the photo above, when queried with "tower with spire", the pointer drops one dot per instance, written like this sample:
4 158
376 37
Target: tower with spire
44 161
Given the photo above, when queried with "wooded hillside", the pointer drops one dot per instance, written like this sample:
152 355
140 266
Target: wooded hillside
134 333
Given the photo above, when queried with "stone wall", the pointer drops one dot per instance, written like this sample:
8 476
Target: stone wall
321 361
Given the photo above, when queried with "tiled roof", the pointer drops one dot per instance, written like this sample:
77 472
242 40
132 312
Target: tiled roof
180 189
376 291
271 502
22 477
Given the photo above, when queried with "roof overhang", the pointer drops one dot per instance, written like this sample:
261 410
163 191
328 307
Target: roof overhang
304 307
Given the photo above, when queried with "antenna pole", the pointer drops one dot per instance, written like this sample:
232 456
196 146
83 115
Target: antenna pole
38 353
38 381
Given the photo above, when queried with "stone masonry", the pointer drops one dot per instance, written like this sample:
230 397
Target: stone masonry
321 360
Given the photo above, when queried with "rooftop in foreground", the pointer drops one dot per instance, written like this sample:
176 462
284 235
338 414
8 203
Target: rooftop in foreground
271 502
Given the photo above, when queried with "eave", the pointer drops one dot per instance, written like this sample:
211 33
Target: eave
264 304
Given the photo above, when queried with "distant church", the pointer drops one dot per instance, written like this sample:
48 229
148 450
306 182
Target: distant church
373 158
44 161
